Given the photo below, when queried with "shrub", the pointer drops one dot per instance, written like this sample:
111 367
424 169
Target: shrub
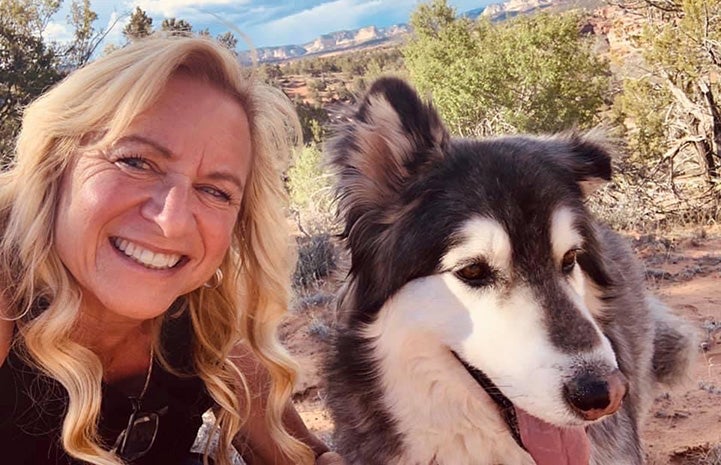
309 186
311 202
316 260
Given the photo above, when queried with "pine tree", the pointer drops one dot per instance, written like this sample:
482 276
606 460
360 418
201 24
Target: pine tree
176 25
229 40
139 26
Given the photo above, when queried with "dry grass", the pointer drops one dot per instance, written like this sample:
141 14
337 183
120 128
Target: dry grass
697 455
316 260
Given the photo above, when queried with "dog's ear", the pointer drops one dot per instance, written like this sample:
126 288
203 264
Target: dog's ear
587 157
590 159
392 137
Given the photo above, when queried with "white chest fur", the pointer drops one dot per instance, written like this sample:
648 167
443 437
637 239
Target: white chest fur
444 416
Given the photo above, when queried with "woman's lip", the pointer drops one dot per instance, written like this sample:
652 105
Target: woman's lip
145 245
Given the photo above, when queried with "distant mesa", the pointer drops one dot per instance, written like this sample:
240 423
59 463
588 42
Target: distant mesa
334 41
511 8
372 35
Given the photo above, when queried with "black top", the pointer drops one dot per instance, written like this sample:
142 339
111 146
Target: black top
32 408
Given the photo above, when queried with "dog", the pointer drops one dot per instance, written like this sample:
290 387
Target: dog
487 317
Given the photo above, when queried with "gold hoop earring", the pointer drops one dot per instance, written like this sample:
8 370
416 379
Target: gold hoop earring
215 280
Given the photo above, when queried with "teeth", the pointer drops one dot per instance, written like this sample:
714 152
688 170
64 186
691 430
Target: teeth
146 257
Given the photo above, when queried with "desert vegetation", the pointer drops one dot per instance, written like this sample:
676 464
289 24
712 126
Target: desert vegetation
645 70
653 91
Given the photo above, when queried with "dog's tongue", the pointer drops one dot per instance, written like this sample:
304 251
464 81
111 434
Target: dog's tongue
551 445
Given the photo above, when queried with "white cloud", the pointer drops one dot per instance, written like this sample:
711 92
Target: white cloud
331 16
176 8
58 32
117 22
252 14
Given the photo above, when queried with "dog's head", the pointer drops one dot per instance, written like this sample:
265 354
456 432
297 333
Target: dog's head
484 246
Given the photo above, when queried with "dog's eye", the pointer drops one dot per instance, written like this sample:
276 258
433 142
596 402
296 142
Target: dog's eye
569 261
476 274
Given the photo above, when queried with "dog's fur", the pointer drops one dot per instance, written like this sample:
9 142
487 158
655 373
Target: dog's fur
419 207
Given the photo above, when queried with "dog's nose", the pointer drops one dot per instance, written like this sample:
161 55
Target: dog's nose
596 396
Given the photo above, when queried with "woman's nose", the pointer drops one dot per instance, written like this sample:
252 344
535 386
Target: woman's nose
170 207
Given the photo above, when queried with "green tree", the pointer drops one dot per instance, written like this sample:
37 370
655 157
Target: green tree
343 93
82 17
86 38
176 25
313 119
28 17
228 39
531 74
673 109
139 26
270 73
27 65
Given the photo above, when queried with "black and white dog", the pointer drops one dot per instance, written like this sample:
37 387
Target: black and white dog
487 317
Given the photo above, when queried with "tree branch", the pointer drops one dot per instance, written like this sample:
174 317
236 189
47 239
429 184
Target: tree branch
668 6
683 99
673 151
715 128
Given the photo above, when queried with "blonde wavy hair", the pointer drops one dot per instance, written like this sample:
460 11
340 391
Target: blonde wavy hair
104 98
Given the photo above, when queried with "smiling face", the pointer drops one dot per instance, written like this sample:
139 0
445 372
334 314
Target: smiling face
151 217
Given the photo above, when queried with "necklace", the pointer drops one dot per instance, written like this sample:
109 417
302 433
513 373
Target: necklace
140 448
147 376
135 401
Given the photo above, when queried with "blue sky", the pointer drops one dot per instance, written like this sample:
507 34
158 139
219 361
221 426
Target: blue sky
266 22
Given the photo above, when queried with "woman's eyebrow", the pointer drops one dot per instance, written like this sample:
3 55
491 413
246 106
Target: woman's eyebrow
166 152
226 176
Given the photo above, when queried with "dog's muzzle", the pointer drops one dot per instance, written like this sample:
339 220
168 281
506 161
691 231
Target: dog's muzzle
589 395
505 406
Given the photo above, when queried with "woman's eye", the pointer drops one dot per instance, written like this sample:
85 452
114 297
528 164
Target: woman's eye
137 163
476 274
569 261
216 193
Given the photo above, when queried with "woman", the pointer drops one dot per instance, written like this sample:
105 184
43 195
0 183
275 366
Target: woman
143 236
